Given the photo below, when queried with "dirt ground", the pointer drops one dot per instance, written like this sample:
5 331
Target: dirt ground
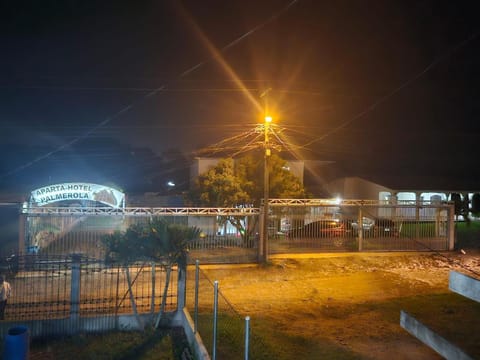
354 300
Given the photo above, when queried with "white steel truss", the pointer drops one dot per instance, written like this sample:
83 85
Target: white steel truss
212 211
337 202
140 211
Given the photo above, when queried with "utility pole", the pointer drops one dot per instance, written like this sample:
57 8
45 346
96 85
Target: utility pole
267 153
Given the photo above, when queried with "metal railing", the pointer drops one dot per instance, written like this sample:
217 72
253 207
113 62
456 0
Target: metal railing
59 288
231 235
358 225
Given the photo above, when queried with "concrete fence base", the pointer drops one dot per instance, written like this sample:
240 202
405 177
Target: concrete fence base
464 285
430 338
183 319
68 326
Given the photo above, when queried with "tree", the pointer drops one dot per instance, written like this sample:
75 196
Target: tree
461 206
156 241
168 244
476 204
126 248
236 184
457 201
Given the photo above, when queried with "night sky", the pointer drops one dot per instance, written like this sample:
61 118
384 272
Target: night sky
122 91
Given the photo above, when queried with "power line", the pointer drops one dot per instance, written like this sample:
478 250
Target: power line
150 93
130 89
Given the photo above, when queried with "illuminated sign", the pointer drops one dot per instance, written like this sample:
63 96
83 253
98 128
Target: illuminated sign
77 191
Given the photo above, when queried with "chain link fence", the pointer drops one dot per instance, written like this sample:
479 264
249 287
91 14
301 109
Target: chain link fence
357 225
222 328
64 287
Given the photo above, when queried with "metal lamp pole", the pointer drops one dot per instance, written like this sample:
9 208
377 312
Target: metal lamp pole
267 154
266 146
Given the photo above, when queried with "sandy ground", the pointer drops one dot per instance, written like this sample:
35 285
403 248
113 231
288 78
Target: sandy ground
350 300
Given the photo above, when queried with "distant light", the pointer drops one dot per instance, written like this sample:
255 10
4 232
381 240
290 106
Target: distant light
286 168
268 119
338 200
171 183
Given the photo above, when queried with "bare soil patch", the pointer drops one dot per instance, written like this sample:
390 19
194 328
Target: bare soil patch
353 300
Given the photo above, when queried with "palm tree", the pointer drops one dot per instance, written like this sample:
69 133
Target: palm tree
169 245
157 241
126 248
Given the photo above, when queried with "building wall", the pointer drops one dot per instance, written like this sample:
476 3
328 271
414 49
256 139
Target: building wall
200 166
356 188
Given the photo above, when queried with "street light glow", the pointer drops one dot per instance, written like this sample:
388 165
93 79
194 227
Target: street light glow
268 119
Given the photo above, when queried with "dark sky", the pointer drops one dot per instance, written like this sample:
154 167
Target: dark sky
381 87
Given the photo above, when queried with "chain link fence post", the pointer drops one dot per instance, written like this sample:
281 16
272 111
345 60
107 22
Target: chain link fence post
215 320
247 336
197 286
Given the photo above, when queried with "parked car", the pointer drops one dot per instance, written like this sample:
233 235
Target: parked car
320 228
386 227
377 227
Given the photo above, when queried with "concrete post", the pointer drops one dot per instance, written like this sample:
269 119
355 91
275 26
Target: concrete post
418 203
451 227
75 292
21 234
360 229
263 236
464 285
181 288
432 339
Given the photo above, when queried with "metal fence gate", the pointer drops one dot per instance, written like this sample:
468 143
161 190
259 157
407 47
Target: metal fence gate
55 294
226 234
359 225
231 235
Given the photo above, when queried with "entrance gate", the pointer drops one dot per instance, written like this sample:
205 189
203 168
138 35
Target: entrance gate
67 230
359 225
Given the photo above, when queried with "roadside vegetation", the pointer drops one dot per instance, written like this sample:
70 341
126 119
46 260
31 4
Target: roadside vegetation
161 344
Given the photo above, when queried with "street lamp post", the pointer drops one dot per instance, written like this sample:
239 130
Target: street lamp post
267 151
266 145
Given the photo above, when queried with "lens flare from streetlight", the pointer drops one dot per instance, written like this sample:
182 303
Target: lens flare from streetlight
268 119
218 56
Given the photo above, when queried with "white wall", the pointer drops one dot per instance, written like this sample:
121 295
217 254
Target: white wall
356 188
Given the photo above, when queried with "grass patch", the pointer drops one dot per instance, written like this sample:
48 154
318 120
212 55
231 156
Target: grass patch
165 344
266 342
467 234
412 230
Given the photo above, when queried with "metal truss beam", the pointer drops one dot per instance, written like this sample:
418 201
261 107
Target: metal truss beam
186 211
336 202
140 211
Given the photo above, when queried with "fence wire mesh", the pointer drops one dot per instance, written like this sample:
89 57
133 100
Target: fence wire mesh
293 227
66 233
360 227
230 342
42 288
